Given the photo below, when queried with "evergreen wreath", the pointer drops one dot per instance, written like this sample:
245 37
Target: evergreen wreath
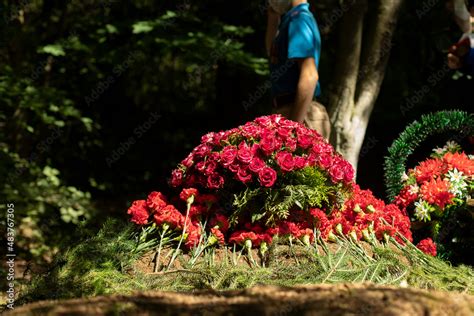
417 132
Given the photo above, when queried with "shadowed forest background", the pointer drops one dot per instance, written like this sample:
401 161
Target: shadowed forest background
99 100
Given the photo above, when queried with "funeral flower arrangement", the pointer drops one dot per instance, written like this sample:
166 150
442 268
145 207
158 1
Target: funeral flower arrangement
438 184
270 179
435 190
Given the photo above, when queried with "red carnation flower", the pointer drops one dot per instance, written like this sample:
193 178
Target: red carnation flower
267 177
139 212
193 236
156 201
187 193
171 216
219 235
285 161
220 221
207 199
240 237
427 246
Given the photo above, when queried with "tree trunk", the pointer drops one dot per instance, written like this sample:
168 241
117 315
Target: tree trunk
365 36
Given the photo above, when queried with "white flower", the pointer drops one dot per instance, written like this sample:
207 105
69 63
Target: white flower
405 176
471 157
422 210
414 189
451 145
439 151
458 182
456 176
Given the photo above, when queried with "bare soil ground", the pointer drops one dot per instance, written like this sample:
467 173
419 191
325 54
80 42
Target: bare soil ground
344 299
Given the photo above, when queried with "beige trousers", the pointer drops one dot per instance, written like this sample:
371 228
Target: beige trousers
317 118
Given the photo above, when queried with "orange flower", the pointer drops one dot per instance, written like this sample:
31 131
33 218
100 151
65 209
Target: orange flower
459 161
436 192
431 168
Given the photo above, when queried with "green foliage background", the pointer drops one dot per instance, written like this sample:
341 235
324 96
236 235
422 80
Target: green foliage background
100 99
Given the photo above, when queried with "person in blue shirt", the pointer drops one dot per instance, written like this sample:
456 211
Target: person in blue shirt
293 43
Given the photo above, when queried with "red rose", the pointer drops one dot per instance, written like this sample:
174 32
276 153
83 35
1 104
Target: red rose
348 171
215 181
156 201
325 160
267 177
188 161
201 166
208 138
202 150
264 121
187 193
211 166
284 132
285 161
256 165
244 153
300 162
139 212
304 140
250 130
234 167
290 143
228 155
427 246
244 175
176 177
268 143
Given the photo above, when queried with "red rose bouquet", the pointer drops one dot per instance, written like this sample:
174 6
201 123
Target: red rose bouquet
270 178
267 167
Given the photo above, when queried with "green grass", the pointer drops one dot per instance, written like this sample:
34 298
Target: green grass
104 264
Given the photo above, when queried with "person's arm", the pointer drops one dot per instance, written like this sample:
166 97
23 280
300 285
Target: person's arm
273 19
306 86
462 16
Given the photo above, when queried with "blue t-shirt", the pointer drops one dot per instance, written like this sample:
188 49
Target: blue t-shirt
298 37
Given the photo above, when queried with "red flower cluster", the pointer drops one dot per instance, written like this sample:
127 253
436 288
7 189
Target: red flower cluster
364 214
259 152
363 217
158 210
430 182
427 246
